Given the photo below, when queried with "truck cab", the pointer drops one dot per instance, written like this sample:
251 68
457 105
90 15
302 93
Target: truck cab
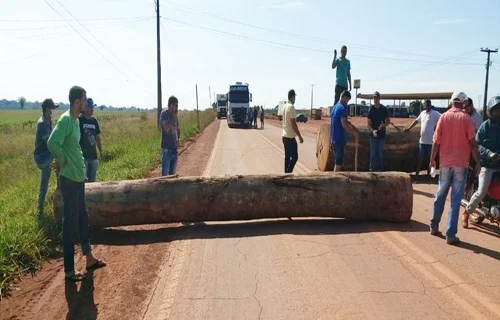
238 105
221 106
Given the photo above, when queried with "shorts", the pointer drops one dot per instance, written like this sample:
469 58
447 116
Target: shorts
338 149
425 150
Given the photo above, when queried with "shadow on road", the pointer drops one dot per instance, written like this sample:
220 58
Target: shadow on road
81 303
423 193
118 236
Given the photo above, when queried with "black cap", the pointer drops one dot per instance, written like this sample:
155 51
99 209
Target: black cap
291 93
471 103
49 104
376 94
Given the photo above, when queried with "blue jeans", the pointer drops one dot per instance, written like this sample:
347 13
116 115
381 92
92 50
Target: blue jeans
43 161
74 214
377 154
338 149
457 179
168 161
91 169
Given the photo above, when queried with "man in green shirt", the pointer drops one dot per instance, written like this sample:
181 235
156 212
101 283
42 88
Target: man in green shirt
64 145
343 66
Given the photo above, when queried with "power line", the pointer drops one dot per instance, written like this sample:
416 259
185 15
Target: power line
297 35
304 48
81 19
85 39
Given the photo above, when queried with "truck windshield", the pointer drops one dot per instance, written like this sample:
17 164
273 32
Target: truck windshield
239 97
222 103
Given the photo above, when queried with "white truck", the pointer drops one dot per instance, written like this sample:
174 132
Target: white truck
238 105
281 105
221 106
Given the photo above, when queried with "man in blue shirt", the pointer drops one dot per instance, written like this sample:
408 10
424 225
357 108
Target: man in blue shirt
339 124
343 74
170 134
43 157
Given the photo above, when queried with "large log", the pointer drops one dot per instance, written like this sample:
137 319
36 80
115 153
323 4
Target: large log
358 196
400 151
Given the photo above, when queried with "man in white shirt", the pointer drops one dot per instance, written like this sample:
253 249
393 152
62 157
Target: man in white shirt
290 131
428 120
476 117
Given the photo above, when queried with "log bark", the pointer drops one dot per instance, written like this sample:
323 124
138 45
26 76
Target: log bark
400 151
359 196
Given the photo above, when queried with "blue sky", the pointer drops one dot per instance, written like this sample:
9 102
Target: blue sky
394 46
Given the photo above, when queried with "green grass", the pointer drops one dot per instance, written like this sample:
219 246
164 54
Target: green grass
131 144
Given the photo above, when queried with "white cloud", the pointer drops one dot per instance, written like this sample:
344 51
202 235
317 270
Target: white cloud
450 21
292 5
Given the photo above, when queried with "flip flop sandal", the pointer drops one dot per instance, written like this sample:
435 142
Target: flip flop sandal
75 276
96 265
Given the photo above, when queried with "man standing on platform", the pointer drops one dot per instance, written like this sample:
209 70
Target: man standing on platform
343 73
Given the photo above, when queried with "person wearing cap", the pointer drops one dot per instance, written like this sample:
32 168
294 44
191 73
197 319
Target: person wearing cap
454 139
428 120
64 144
170 134
339 125
470 110
378 119
488 140
343 73
42 155
290 131
89 140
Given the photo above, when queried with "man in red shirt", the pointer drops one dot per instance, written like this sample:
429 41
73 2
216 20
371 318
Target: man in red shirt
454 138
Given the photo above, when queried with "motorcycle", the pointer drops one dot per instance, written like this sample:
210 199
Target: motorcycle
489 207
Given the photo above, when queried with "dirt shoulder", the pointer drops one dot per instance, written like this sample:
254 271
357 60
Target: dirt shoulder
134 256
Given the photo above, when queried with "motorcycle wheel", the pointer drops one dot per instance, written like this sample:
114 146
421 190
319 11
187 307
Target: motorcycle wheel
473 217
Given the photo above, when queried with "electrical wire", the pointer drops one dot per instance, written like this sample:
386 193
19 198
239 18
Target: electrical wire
81 19
95 49
304 48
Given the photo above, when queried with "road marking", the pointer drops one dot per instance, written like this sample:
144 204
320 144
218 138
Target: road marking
450 274
210 163
299 166
440 285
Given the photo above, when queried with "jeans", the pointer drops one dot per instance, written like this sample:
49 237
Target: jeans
91 169
43 161
74 214
291 153
485 177
168 161
456 178
377 154
338 149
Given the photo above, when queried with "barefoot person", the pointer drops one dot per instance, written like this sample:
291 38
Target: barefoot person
64 144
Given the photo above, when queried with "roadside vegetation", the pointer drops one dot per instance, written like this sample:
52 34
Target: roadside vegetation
131 144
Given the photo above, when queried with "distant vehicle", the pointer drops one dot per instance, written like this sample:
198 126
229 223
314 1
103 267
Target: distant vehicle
301 118
221 106
238 105
281 105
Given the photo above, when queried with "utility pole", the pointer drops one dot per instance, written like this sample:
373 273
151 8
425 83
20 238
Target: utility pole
158 61
210 96
488 63
197 111
312 94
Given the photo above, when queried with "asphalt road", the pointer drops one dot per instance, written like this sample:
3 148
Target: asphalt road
321 269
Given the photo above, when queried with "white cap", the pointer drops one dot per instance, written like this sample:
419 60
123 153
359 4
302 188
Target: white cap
460 96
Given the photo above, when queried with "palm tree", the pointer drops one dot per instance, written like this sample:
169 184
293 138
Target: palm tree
22 102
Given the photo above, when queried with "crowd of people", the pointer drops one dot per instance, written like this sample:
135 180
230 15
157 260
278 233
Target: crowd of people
254 114
460 137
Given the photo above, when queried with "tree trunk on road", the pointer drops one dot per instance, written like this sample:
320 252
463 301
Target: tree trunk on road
358 196
400 151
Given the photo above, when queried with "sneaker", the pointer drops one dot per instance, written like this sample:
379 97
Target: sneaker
453 241
435 232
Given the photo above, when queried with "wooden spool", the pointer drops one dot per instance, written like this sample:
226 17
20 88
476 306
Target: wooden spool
324 149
